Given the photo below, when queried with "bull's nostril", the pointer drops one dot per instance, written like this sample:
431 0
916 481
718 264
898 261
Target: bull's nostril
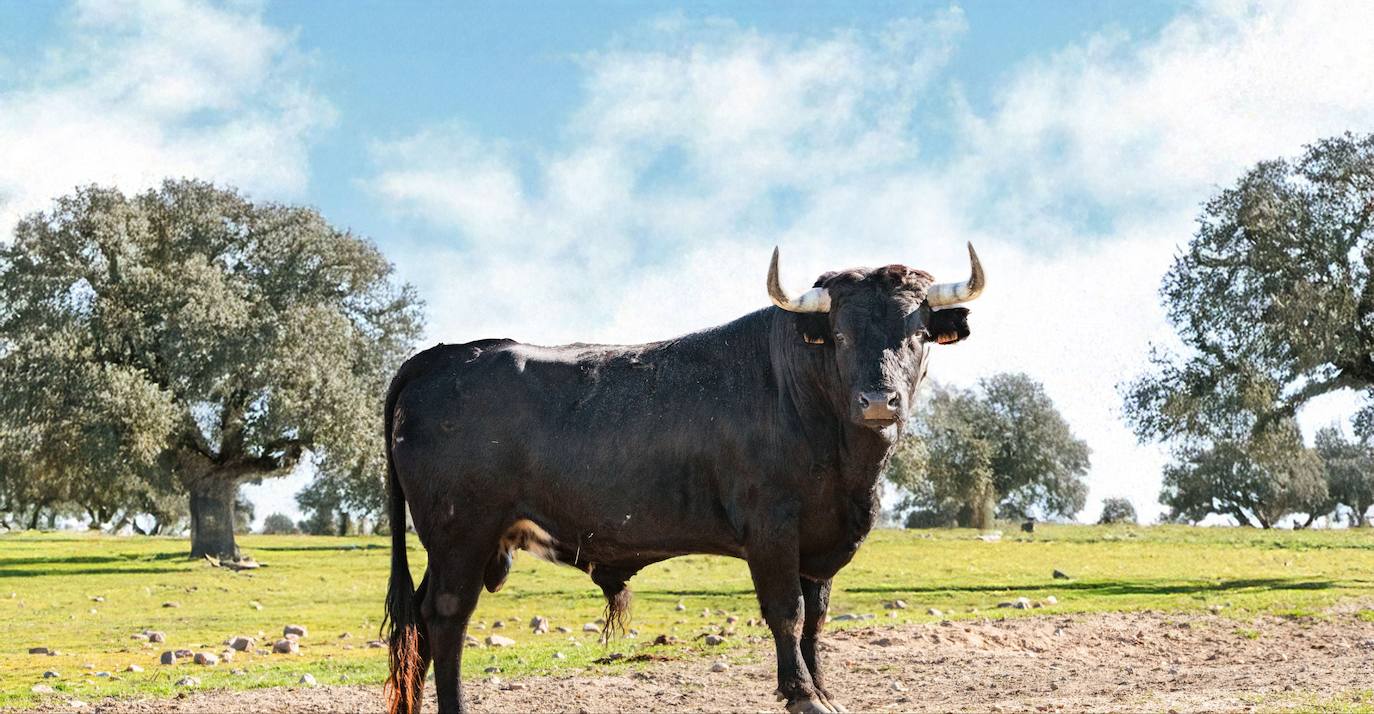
893 400
863 401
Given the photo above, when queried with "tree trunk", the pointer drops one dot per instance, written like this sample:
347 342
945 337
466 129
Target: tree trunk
212 518
33 522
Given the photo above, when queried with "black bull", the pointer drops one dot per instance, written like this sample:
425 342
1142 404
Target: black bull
761 439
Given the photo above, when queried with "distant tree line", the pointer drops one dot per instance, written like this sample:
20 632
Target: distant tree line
1273 302
157 351
999 450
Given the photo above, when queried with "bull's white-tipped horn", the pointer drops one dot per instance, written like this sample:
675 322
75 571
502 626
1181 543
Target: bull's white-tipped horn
813 300
942 294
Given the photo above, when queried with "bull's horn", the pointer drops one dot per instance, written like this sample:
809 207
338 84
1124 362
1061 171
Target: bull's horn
942 294
813 300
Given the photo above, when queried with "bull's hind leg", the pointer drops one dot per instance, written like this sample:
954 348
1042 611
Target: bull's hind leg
816 597
454 585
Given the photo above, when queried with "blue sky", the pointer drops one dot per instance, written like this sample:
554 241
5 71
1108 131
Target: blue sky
619 171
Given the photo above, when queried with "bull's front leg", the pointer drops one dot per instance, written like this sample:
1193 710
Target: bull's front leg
773 564
816 596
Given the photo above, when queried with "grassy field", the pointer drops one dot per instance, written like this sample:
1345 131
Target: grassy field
49 583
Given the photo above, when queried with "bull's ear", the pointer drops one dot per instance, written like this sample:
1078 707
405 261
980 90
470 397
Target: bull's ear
813 327
949 325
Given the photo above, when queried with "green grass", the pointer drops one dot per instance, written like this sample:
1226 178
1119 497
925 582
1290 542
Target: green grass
336 585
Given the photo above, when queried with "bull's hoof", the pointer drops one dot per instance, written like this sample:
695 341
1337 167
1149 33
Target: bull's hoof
835 706
808 706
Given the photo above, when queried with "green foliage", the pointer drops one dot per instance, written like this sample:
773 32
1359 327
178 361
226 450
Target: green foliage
1274 305
1349 469
1117 510
1257 480
1000 449
278 524
185 340
336 585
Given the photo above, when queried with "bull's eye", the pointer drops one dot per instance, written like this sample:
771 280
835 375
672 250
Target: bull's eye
840 339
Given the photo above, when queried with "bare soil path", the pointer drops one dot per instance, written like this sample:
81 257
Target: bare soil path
1115 662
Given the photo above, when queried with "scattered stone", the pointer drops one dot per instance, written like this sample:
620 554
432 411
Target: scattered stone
170 603
262 652
1020 603
345 635
97 598
492 670
155 636
714 640
1051 600
140 636
227 656
559 655
375 644
992 537
898 686
42 689
1214 609
188 682
307 679
296 630
286 645
539 625
183 653
884 642
498 624
514 686
681 606
499 641
92 611
665 640
242 643
89 665
719 667
896 605
591 627
1061 575
206 659
562 629
133 668
168 658
255 604
933 612
39 651
238 672
470 641
51 674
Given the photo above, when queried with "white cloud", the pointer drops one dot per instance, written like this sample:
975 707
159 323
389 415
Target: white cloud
138 91
699 146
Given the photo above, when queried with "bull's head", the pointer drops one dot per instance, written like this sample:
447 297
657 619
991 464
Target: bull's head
876 324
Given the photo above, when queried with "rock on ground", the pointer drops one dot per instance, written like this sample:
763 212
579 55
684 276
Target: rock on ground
1158 662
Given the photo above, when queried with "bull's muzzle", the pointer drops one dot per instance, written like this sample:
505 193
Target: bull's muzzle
880 407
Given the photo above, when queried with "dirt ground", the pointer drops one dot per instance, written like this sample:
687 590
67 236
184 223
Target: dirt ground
1117 662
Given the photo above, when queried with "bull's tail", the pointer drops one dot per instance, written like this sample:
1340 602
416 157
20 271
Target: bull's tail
406 680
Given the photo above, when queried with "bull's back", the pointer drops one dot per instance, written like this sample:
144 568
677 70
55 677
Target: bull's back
582 438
